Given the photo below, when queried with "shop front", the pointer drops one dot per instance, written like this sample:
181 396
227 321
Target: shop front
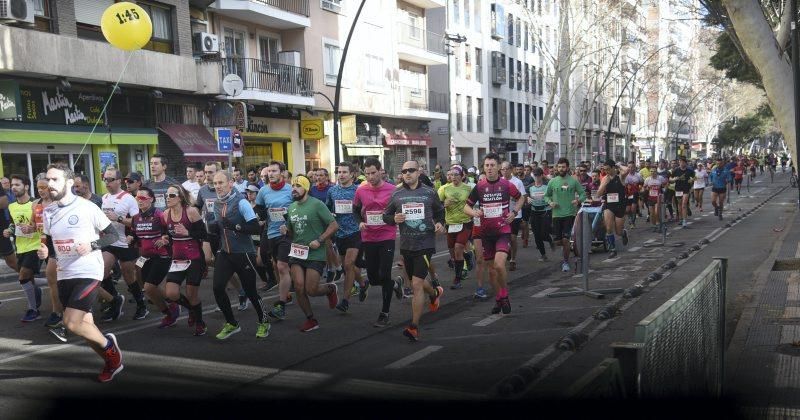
267 139
402 147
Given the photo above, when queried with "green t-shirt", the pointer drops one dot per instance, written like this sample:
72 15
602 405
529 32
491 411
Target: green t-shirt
307 222
563 191
21 214
454 213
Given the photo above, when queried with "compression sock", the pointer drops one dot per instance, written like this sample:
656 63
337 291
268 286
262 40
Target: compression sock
459 266
198 312
137 293
611 241
30 292
184 302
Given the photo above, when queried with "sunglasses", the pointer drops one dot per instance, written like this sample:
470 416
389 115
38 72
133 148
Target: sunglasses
172 195
409 171
130 181
109 180
143 198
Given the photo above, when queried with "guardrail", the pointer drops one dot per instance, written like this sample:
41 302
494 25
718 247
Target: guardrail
271 77
295 6
421 38
679 349
421 99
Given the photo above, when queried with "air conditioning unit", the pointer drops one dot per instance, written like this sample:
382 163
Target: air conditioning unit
290 58
206 43
17 10
332 5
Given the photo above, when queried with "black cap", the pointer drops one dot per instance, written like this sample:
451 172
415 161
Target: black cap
610 162
134 176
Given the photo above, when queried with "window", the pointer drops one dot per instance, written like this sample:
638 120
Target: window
519 32
519 75
527 118
268 49
519 117
541 114
456 14
459 125
161 16
477 15
527 78
331 56
511 116
42 16
498 68
479 119
510 29
541 82
478 65
467 63
331 5
466 13
375 76
469 113
526 36
499 114
510 72
456 59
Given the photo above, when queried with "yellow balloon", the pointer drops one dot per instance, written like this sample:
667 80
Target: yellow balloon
126 26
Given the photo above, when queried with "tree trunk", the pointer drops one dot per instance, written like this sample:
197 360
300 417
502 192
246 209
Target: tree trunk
762 48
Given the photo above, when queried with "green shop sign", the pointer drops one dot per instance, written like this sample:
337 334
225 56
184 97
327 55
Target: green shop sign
9 100
51 105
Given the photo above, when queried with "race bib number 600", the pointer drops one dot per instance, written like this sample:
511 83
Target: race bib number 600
276 214
375 218
491 211
65 247
414 211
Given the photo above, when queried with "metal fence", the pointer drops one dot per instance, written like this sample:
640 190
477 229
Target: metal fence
295 6
416 36
271 77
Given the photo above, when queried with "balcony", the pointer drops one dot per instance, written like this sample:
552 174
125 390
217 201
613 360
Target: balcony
420 46
428 4
88 60
278 14
422 103
272 82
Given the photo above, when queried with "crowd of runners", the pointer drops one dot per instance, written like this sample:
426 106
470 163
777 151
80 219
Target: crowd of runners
303 234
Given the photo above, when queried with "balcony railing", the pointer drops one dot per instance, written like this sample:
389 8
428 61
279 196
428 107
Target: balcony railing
295 6
424 100
270 77
416 36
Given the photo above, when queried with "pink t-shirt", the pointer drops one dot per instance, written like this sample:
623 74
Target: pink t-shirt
373 202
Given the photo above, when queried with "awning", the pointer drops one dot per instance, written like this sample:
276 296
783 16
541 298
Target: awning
406 140
363 150
193 140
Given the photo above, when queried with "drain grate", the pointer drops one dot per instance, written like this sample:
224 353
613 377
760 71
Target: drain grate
789 264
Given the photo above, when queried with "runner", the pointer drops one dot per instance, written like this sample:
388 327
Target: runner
633 182
7 251
119 206
54 322
132 182
185 230
235 221
477 242
652 186
309 224
319 190
83 189
560 195
272 202
27 241
541 216
263 267
613 193
73 227
738 176
683 176
494 194
191 184
159 181
701 177
348 237
459 226
720 177
507 172
523 173
416 208
669 190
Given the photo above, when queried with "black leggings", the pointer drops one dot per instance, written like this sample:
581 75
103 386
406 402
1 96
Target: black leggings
379 257
540 220
242 264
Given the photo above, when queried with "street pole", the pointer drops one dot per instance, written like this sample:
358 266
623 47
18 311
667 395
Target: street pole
339 86
796 78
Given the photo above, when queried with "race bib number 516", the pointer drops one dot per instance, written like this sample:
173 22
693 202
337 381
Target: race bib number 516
65 247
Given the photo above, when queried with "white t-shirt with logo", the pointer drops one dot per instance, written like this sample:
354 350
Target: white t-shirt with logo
77 223
124 205
521 188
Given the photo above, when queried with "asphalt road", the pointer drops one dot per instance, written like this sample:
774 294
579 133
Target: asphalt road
464 353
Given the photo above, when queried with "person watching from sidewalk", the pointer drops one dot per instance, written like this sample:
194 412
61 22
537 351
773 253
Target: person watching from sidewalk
541 216
459 226
564 195
507 172
613 192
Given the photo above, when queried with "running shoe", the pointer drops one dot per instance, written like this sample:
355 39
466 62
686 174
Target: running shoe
456 285
310 325
227 331
398 288
565 266
243 303
31 315
412 333
624 237
278 311
329 276
333 296
363 292
355 290
116 308
289 299
173 312
343 306
383 320
480 293
200 328
505 305
408 293
59 333
436 300
53 320
113 359
498 306
469 260
512 265
543 258
37 292
263 330
141 312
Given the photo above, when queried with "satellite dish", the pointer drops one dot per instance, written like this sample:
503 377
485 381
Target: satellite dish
233 85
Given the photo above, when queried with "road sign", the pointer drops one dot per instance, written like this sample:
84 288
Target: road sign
224 139
232 84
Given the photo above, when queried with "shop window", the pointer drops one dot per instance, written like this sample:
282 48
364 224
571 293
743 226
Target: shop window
15 163
255 154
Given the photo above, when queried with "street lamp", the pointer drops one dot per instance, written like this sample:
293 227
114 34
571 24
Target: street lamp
796 78
458 39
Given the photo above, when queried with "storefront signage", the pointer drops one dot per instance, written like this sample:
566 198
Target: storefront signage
311 129
240 110
238 143
256 126
43 105
9 100
222 114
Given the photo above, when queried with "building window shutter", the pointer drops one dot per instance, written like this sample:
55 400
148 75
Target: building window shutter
90 11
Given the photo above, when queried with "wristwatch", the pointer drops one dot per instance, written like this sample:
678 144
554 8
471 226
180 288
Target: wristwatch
119 219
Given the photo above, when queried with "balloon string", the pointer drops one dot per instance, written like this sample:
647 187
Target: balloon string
102 113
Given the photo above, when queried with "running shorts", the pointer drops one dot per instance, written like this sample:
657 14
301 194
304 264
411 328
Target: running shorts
460 237
277 248
617 209
416 262
193 275
515 226
495 244
6 247
78 294
352 241
28 260
122 254
318 266
562 227
155 270
719 190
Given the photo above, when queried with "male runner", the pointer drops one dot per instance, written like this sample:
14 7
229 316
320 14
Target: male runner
523 173
72 227
27 243
159 181
494 194
420 214
720 176
560 195
633 181
319 190
459 225
507 172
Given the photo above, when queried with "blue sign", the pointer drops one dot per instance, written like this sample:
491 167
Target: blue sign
224 140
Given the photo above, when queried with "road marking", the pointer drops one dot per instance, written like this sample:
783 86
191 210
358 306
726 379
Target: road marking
634 249
649 241
608 260
488 320
545 292
16 298
414 357
697 218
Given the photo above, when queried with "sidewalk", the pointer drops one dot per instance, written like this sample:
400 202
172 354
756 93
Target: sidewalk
6 273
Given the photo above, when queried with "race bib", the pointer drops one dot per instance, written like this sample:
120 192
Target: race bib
630 197
179 265
276 214
491 211
299 251
140 262
538 195
612 197
65 248
565 187
210 206
414 211
161 201
18 232
653 193
343 206
375 218
455 228
678 193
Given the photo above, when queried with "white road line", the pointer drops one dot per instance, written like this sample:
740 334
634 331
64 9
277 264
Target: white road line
608 260
697 218
713 232
634 249
414 357
488 320
545 292
649 241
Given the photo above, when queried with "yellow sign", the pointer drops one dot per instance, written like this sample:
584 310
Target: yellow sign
348 124
311 129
